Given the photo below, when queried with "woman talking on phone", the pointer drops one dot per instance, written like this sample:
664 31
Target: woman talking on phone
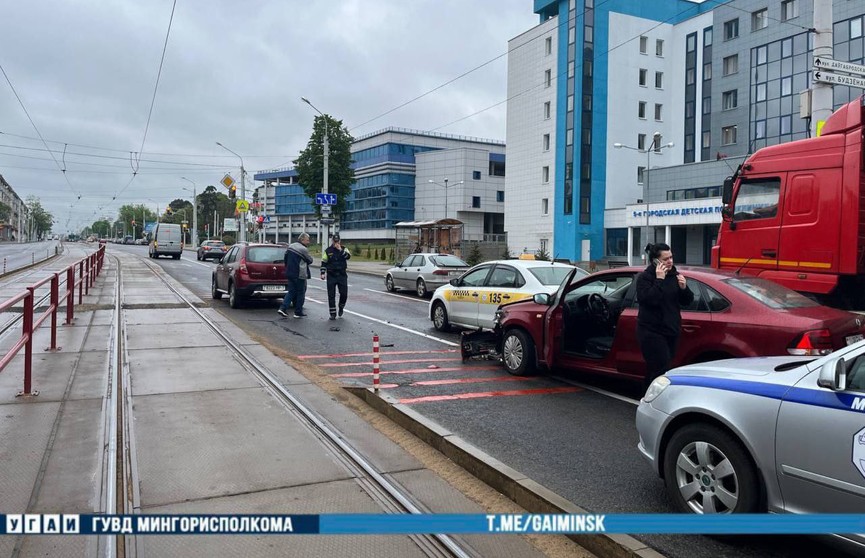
661 293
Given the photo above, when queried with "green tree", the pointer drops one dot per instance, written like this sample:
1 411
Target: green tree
42 220
506 255
475 257
101 228
138 214
5 211
212 201
542 255
310 163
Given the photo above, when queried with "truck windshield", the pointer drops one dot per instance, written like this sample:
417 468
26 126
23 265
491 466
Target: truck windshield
771 294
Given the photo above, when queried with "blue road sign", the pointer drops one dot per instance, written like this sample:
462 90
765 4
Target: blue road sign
266 218
325 199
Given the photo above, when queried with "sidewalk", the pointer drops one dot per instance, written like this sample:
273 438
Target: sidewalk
206 436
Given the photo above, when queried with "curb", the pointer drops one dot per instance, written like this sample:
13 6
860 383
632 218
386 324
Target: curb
524 491
29 266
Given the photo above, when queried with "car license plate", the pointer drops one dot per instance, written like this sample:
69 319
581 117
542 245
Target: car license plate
854 338
274 288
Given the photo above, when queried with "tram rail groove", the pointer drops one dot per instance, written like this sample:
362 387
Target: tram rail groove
392 497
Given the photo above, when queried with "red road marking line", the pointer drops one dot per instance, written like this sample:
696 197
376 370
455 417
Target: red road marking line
411 371
475 395
471 380
307 357
404 361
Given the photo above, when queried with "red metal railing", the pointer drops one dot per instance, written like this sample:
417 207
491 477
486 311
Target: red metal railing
88 269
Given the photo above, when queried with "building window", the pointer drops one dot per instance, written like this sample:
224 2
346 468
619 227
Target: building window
659 80
707 36
731 64
641 110
786 86
476 201
691 42
588 68
644 44
689 109
546 142
729 99
856 28
787 48
643 76
547 110
587 137
548 46
658 108
641 173
570 105
589 34
548 78
500 195
760 19
571 69
545 206
707 139
728 135
641 141
572 35
786 124
789 9
545 174
690 76
659 47
587 102
731 29
707 105
760 129
762 54
569 137
689 142
707 71
761 92
476 175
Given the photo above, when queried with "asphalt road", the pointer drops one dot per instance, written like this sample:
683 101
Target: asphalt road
575 435
15 256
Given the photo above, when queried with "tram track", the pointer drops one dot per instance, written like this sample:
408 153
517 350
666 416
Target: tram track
120 454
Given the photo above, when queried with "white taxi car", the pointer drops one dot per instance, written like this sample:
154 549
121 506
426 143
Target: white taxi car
471 300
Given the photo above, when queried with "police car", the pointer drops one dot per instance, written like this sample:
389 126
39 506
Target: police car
776 434
471 300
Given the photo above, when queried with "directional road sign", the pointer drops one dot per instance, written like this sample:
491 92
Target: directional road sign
839 79
327 221
325 199
837 65
227 181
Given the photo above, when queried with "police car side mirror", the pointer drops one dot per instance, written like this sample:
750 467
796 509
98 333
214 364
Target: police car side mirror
455 282
833 375
542 299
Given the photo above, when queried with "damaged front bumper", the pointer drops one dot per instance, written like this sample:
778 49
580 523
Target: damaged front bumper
481 345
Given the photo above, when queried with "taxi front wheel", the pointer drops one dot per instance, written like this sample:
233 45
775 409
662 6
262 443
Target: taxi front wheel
518 352
440 317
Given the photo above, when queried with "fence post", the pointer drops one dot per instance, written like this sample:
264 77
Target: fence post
70 294
375 363
80 281
55 303
87 276
27 330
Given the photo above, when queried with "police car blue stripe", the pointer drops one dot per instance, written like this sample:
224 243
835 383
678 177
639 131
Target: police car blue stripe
803 396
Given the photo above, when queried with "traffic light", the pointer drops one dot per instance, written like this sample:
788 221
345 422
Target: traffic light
133 222
169 211
232 192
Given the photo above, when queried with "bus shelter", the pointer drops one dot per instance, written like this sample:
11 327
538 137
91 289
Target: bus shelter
441 236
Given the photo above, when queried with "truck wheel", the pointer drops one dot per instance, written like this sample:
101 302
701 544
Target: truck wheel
440 317
707 470
421 288
233 298
388 283
176 256
518 353
214 292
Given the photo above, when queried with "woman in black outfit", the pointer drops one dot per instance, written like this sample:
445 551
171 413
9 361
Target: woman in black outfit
661 292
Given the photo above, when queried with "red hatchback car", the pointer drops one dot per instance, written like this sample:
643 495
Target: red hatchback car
590 324
250 271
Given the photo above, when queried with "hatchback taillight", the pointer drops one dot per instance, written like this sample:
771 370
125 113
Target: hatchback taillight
440 272
242 266
815 342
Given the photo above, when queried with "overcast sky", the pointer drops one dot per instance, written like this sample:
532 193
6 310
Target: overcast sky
234 72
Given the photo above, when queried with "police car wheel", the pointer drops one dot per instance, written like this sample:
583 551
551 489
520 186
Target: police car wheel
421 288
518 353
440 317
707 471
388 284
214 292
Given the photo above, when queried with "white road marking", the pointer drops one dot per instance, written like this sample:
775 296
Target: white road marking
402 297
395 326
597 390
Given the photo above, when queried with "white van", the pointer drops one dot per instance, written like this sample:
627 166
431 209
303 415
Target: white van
166 240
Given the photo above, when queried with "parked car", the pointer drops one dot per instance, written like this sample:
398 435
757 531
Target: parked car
783 435
250 271
211 249
590 324
141 241
471 300
128 239
424 273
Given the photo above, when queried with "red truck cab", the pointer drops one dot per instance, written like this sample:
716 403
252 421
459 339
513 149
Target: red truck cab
793 213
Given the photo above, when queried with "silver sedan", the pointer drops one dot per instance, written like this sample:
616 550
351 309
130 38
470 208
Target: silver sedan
423 273
776 434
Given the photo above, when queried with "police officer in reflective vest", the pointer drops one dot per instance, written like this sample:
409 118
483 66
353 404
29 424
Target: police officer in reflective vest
334 261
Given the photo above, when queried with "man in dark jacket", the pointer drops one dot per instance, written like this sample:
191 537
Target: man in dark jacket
297 260
661 293
334 261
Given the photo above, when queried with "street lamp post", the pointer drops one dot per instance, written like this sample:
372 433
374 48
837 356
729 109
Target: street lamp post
194 211
445 186
656 147
242 190
325 209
